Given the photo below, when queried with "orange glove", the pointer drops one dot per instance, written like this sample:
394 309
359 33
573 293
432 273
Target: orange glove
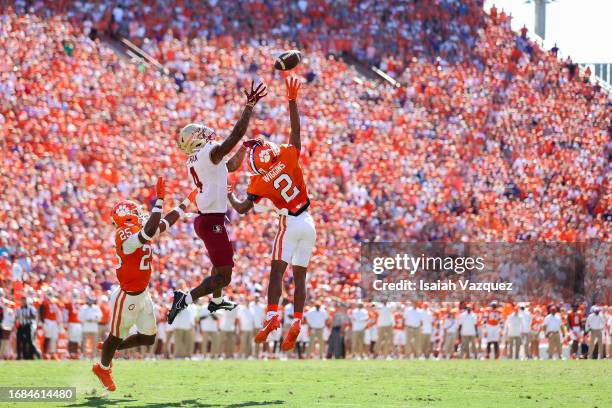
160 191
193 194
293 86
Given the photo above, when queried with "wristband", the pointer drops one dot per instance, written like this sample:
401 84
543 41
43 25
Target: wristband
144 235
251 104
159 202
186 202
180 211
156 210
166 223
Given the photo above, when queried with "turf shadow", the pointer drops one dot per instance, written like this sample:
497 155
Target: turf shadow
101 402
254 404
109 402
198 403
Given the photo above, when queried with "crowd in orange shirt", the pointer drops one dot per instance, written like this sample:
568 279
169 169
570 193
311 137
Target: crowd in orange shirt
506 143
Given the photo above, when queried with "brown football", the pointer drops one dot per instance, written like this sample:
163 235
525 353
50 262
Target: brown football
288 60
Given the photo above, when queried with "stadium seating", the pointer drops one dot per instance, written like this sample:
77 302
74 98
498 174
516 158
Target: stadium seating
493 140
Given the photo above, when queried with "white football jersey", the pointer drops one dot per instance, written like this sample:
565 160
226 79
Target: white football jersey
210 178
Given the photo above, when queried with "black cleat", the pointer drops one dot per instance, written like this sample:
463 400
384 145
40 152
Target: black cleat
179 303
224 305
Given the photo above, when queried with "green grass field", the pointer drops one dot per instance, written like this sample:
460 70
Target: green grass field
325 383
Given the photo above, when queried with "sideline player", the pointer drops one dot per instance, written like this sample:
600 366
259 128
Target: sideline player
279 178
131 303
209 173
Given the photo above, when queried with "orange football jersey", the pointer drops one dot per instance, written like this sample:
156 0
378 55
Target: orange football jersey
73 312
133 270
493 318
283 184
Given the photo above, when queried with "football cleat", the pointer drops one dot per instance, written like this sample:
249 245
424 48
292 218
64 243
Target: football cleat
224 305
179 303
268 326
105 376
291 337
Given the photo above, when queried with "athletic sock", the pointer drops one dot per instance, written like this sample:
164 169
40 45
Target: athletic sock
297 317
217 300
188 299
104 367
271 310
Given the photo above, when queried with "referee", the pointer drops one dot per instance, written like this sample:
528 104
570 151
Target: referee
26 318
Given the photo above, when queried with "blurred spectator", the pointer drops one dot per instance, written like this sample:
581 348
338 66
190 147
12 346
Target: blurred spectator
554 330
184 332
595 325
210 333
227 327
26 319
246 325
359 319
316 319
385 329
90 316
469 332
335 343
414 322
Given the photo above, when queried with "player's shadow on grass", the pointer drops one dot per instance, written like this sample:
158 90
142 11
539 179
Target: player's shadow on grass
108 402
199 403
102 402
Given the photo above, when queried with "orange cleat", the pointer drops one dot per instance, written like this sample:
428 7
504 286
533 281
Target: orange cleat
105 376
291 337
268 326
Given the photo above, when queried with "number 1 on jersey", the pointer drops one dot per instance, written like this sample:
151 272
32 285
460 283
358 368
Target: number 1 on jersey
196 179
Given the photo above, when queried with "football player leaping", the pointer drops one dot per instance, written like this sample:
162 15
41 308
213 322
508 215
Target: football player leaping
209 173
277 176
130 302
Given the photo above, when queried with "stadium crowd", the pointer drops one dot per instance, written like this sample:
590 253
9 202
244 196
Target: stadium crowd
490 139
71 329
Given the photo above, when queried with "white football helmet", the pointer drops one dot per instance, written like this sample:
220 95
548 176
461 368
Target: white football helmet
193 137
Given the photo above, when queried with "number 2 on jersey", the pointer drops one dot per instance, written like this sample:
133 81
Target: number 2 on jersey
196 179
285 190
145 261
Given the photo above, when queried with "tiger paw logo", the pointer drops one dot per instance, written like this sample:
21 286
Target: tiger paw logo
264 156
122 210
217 229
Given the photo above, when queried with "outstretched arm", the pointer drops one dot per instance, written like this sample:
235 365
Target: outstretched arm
173 216
150 228
242 207
240 128
293 86
147 233
235 162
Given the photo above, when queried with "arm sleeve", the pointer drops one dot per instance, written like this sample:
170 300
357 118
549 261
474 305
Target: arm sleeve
131 244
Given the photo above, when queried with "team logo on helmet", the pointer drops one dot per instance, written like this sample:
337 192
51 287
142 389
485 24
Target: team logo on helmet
264 156
122 210
128 212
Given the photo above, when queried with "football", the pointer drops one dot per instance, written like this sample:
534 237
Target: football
288 60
